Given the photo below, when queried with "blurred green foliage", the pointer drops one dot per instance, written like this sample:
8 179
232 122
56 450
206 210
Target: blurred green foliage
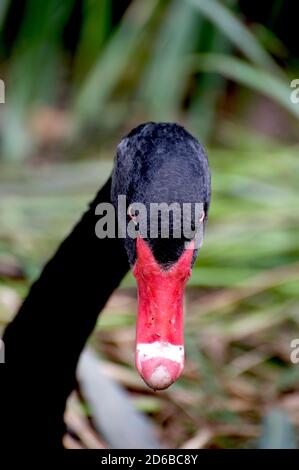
164 60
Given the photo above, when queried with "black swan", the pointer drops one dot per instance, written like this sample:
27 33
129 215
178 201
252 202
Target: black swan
155 163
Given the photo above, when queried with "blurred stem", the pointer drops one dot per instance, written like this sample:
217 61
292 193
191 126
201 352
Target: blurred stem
233 28
96 24
108 69
275 11
164 82
3 10
253 77
33 71
209 87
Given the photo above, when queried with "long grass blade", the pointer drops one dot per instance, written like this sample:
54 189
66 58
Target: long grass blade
108 69
95 28
253 77
233 28
209 87
4 4
33 71
165 78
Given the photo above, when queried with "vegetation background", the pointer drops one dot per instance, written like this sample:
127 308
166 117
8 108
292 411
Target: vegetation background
79 74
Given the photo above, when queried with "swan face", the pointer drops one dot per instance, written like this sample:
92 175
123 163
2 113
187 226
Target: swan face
161 164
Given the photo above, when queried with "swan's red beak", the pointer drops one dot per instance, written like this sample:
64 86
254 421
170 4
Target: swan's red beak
160 322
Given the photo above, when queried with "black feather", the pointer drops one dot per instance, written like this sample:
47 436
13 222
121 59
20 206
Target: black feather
161 163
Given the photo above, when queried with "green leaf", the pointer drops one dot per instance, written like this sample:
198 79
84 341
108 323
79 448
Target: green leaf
4 4
110 65
33 70
210 87
165 77
95 27
233 28
255 78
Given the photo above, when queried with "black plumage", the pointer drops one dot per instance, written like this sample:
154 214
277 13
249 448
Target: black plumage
161 163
